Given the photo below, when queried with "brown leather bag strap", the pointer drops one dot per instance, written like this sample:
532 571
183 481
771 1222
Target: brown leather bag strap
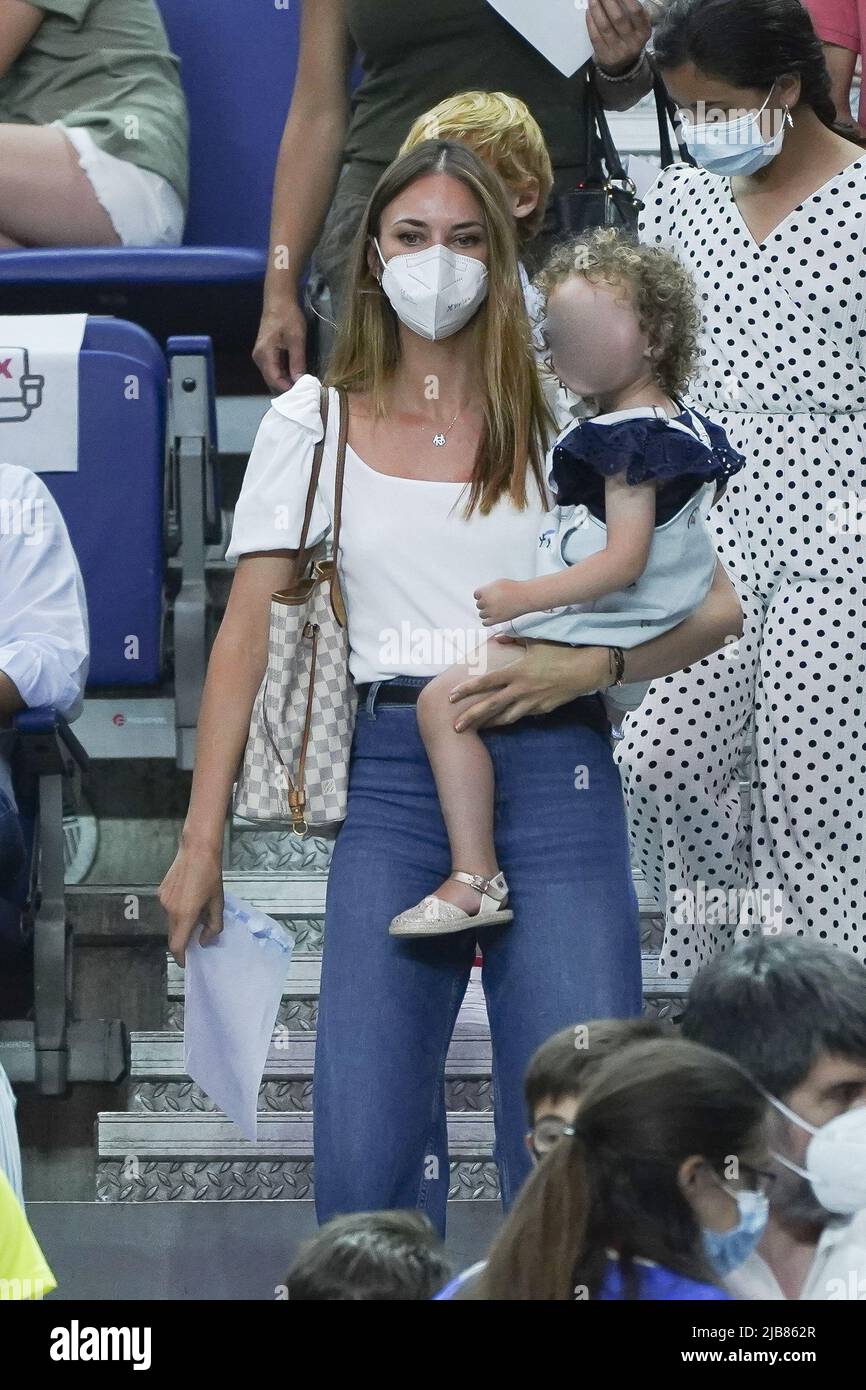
314 482
341 467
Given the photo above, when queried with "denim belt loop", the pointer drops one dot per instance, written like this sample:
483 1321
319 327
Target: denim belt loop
371 699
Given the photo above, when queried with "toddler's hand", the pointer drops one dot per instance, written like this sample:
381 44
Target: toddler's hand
499 601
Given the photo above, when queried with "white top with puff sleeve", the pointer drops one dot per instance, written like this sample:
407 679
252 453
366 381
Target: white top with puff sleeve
410 561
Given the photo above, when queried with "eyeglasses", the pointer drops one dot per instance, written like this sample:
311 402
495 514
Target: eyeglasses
551 1128
546 1135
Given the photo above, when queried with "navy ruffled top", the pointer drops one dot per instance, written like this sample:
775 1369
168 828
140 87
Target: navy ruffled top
648 448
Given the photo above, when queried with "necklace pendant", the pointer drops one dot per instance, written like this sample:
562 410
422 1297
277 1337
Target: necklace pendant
440 441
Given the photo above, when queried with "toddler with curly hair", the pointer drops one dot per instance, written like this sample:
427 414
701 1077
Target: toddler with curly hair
626 553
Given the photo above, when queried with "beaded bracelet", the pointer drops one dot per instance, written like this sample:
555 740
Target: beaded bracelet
625 76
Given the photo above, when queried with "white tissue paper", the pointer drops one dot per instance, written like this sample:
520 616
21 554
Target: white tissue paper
233 990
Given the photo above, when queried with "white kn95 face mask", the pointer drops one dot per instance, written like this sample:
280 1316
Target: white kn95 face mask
434 292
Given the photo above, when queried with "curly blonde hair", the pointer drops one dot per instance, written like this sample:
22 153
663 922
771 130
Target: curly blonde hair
661 290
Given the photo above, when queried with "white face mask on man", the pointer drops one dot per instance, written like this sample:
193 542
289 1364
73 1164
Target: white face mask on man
835 1158
434 292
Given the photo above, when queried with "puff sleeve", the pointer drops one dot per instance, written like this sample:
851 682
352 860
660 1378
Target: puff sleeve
645 451
270 509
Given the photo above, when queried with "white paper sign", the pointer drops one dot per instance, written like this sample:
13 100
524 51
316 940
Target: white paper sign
39 390
233 989
557 28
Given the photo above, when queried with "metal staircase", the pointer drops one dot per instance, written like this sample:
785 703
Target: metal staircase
171 1144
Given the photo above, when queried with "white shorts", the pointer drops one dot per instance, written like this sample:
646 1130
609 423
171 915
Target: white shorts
144 208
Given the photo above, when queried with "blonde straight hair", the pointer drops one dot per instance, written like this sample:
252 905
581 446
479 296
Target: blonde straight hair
367 349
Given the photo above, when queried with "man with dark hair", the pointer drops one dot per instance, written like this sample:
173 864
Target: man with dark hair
373 1257
793 1014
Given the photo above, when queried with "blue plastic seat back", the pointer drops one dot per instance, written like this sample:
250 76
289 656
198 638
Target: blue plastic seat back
238 61
113 504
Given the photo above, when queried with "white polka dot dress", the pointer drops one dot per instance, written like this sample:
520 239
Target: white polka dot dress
783 371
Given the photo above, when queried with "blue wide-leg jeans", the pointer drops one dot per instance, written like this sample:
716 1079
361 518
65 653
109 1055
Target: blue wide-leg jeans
388 1007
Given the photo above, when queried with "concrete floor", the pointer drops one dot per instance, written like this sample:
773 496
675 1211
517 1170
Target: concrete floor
200 1250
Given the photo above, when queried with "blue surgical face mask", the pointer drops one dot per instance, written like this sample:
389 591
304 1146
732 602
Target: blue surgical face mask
734 146
728 1249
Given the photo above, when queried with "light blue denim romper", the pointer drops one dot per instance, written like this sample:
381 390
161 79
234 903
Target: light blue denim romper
677 577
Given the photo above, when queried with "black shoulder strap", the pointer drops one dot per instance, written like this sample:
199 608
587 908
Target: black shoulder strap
666 113
598 122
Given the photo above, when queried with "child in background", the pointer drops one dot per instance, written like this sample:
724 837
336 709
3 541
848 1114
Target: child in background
370 1257
640 1199
556 1079
561 1069
625 555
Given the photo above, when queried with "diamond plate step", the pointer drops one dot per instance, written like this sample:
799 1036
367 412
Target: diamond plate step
282 1096
303 895
127 914
299 1005
174 1146
109 914
201 1157
159 1083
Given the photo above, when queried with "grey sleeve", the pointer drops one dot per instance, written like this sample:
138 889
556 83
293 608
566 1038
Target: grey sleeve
617 94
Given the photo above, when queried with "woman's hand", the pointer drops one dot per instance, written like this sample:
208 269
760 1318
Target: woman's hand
192 894
547 676
280 352
192 890
619 31
551 674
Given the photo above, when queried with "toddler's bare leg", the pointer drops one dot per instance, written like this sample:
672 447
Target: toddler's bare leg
464 775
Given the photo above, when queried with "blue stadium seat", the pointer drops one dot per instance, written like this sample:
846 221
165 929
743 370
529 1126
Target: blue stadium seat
113 504
238 66
145 490
238 60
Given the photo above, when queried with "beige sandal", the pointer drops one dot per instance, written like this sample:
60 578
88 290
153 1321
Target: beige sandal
435 917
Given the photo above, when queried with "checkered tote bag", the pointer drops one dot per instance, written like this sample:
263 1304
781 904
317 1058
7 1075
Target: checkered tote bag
296 763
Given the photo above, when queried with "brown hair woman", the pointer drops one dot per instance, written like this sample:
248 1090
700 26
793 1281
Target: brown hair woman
435 346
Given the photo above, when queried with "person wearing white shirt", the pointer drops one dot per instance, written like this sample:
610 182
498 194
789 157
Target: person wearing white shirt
793 1013
43 628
